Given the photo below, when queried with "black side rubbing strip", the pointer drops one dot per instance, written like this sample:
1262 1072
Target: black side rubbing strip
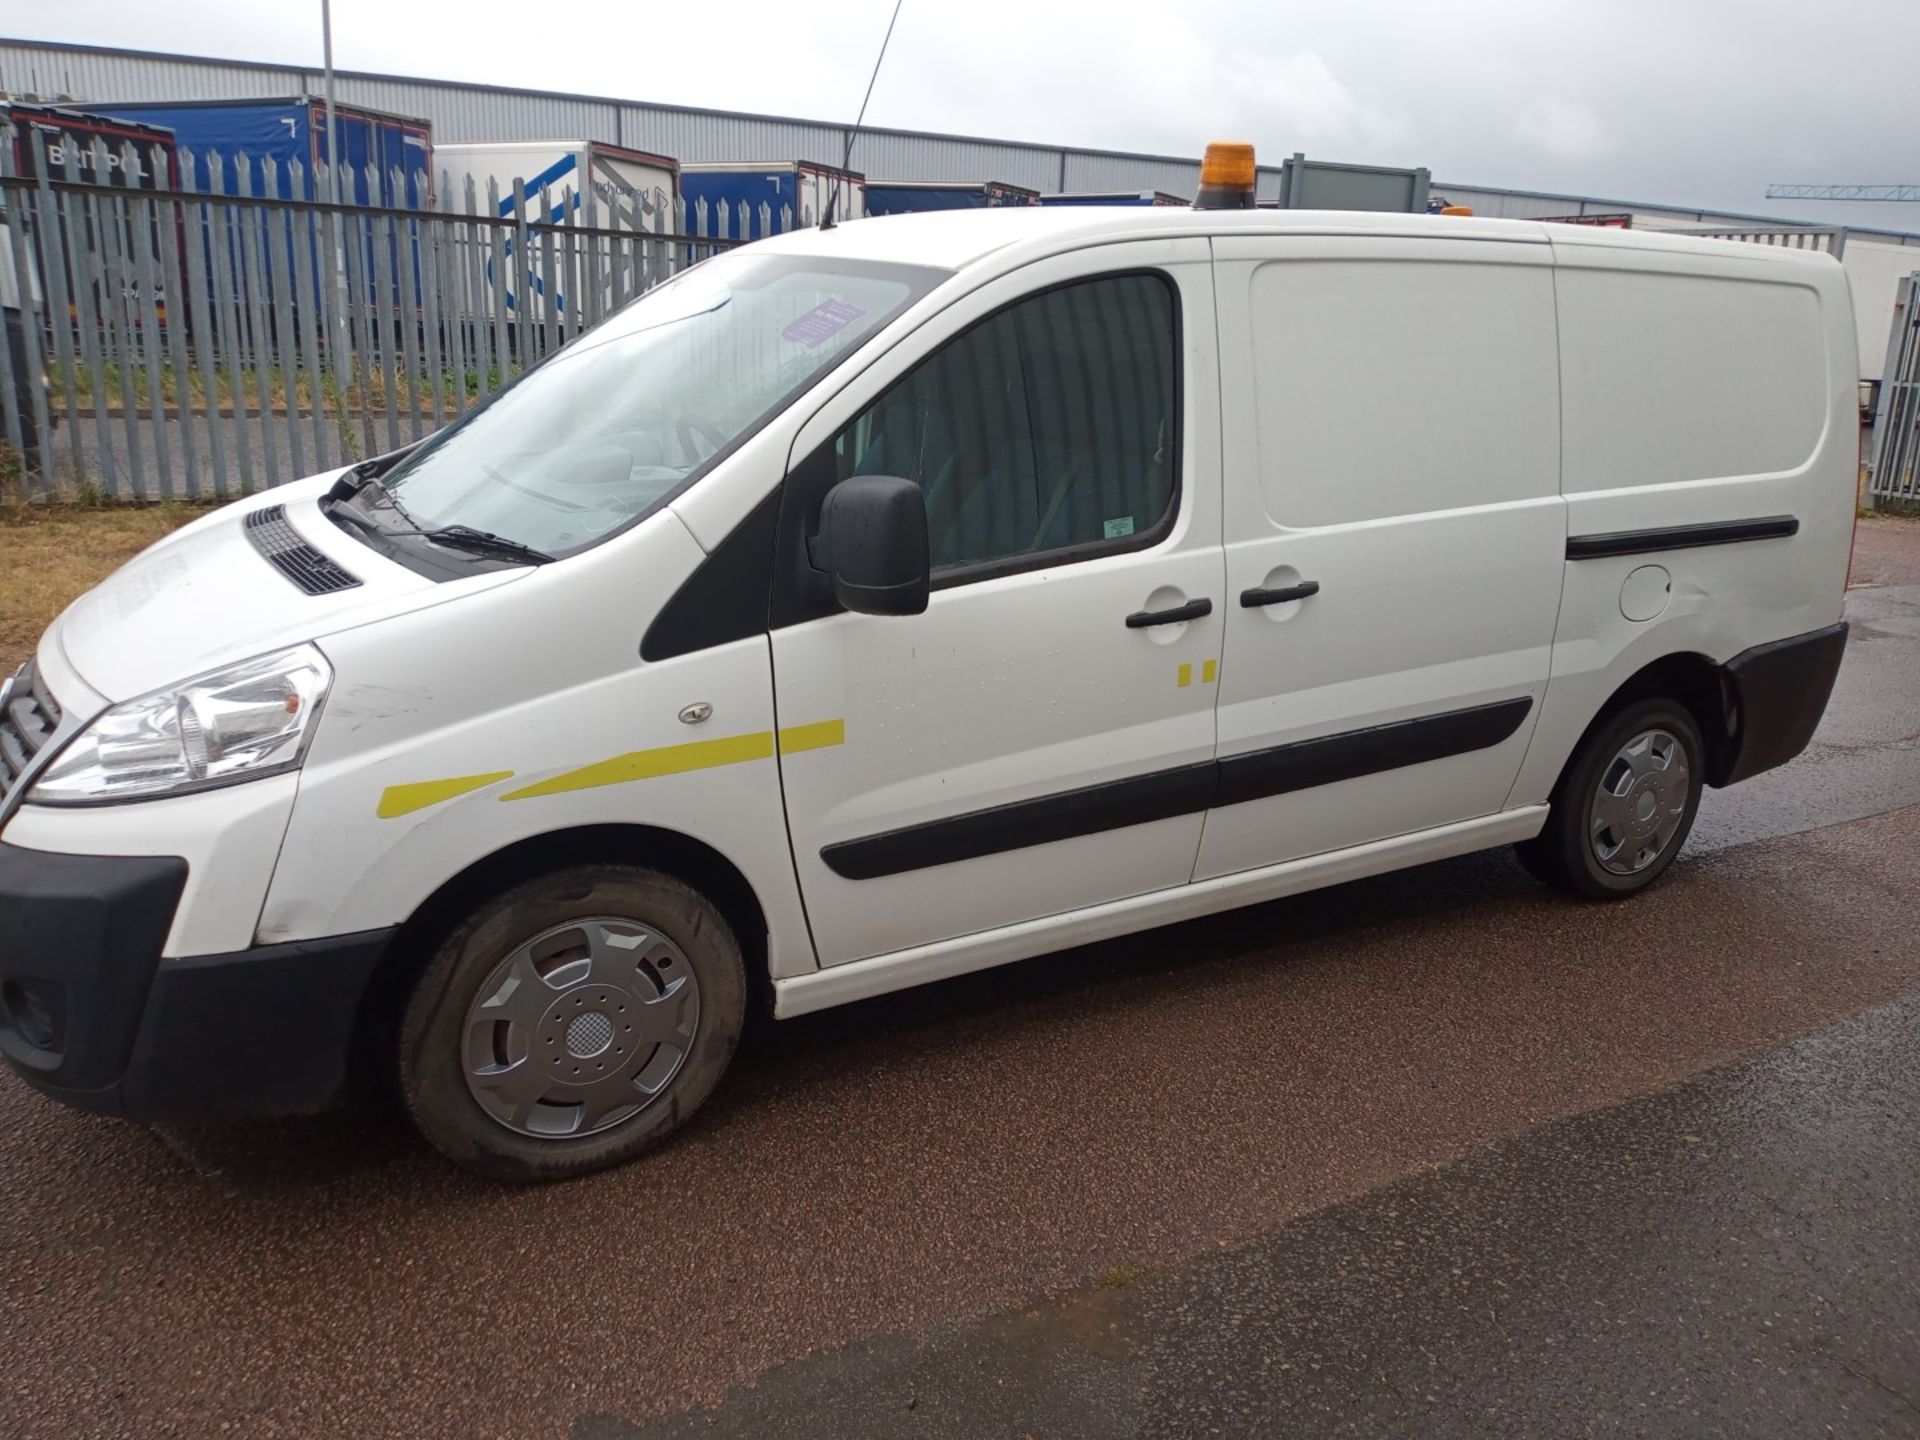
1186 790
1136 800
1347 756
1681 537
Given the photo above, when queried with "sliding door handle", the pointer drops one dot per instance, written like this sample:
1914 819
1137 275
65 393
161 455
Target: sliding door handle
1192 610
1255 598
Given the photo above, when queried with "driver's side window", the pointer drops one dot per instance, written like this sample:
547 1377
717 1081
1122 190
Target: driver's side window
1047 427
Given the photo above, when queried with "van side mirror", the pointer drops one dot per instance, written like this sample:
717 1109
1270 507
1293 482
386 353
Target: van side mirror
872 543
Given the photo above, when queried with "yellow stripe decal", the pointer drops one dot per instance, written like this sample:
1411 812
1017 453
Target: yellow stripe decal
818 736
1185 677
678 759
398 800
650 764
1207 673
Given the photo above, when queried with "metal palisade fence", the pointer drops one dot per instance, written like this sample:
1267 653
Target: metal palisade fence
174 342
1893 479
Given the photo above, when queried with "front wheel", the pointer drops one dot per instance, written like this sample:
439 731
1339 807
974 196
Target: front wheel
1625 805
572 1023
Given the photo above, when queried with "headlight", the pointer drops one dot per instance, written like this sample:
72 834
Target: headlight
241 723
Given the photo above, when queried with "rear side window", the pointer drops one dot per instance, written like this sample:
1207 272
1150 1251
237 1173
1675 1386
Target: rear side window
1045 432
1402 387
1682 377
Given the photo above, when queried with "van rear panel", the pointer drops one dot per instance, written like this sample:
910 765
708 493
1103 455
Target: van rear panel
1709 463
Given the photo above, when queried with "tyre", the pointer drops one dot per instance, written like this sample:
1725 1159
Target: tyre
572 1023
1624 805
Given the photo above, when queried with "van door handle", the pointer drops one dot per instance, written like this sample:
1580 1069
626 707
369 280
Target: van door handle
1255 598
1192 610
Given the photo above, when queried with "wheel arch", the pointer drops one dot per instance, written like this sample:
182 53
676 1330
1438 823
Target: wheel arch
1690 679
693 861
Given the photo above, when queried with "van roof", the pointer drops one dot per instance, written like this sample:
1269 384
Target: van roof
954 239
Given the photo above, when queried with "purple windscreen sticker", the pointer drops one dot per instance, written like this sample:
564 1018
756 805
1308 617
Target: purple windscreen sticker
822 323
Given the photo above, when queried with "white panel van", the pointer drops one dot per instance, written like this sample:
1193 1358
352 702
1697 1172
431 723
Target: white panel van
869 605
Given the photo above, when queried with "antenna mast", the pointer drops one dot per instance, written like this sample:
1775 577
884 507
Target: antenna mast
846 158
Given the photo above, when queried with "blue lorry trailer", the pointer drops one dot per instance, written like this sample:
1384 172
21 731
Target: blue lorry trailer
907 197
1114 197
799 187
295 128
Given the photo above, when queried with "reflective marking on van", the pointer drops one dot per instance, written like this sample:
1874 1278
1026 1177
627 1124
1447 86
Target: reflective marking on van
1207 672
650 764
678 759
818 736
398 800
1185 677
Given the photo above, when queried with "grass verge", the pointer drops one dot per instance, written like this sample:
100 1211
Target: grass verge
49 556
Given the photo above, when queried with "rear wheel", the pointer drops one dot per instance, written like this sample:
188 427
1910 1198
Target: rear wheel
572 1023
1625 804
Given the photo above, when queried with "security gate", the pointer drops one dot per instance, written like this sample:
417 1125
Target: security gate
1893 479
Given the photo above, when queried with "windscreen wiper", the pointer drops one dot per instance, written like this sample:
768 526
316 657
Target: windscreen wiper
361 478
481 542
454 537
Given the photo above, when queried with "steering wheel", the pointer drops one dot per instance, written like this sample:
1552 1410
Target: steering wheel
688 428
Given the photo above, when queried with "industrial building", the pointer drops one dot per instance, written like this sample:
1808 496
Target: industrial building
463 113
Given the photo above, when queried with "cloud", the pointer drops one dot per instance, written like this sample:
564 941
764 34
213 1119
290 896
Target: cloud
1564 129
1701 102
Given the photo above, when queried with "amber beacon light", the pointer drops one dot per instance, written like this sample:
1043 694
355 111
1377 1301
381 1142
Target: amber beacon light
1226 177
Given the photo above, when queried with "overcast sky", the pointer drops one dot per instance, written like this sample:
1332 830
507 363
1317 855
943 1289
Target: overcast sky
1697 102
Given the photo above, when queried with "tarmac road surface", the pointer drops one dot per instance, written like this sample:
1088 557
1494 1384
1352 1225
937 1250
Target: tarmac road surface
1437 1153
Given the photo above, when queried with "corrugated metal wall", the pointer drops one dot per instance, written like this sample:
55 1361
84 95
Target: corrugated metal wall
121 75
469 113
1534 204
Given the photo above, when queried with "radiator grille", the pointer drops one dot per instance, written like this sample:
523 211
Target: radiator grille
27 723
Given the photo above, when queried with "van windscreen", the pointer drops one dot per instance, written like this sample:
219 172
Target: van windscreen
597 437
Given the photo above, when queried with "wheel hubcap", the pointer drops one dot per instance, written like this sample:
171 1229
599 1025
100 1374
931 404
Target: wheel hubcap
580 1028
1640 802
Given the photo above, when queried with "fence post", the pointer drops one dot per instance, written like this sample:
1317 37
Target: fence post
251 283
502 296
426 250
592 301
116 305
57 243
477 282
15 433
226 306
307 287
473 267
407 298
337 302
144 302
39 465
380 279
168 225
522 275
199 277
88 288
279 283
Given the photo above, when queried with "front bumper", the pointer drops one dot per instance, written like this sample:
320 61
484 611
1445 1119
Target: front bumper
91 1015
